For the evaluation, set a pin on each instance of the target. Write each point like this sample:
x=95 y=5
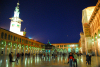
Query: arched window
x=5 y=36
x=14 y=38
x=8 y=37
x=20 y=40
x=2 y=35
x=11 y=37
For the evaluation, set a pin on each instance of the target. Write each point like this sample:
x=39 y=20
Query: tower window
x=13 y=24
x=17 y=25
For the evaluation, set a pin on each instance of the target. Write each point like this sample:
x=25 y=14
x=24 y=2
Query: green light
x=13 y=24
x=17 y=25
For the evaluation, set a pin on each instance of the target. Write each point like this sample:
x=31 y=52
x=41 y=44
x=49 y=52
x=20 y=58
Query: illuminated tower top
x=16 y=14
x=15 y=25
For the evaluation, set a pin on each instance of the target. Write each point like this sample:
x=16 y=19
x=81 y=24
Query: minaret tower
x=15 y=25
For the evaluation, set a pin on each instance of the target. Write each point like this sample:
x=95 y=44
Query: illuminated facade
x=67 y=47
x=91 y=29
x=15 y=40
x=11 y=42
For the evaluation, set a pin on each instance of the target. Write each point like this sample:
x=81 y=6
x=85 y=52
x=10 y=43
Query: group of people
x=72 y=59
x=17 y=57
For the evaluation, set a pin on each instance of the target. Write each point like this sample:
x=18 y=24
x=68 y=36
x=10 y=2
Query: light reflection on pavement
x=60 y=61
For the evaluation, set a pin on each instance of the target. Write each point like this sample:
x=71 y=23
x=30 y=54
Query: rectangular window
x=8 y=37
x=20 y=40
x=61 y=45
x=16 y=38
x=11 y=37
x=58 y=46
x=65 y=45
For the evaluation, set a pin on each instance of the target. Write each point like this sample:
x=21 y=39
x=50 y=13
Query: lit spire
x=16 y=14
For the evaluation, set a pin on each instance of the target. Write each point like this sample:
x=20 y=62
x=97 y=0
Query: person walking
x=70 y=59
x=17 y=57
x=75 y=59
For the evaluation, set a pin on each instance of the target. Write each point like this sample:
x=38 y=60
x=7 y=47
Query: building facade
x=90 y=38
x=67 y=47
x=12 y=42
x=15 y=41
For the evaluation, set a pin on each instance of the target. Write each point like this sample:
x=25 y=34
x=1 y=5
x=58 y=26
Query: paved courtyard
x=60 y=61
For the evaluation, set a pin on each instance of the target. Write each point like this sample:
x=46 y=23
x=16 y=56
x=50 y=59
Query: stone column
x=88 y=44
x=98 y=46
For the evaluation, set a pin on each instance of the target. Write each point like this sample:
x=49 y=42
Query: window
x=65 y=45
x=5 y=36
x=20 y=40
x=14 y=38
x=2 y=35
x=58 y=46
x=61 y=45
x=11 y=37
x=8 y=37
x=29 y=42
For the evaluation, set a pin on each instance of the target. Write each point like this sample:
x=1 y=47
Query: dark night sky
x=47 y=19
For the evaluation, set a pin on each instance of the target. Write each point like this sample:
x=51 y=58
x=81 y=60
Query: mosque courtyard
x=36 y=61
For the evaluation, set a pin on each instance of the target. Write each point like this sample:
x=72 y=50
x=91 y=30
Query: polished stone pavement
x=60 y=61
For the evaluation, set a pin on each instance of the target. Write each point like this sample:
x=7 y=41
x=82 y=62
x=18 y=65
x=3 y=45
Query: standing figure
x=90 y=59
x=75 y=58
x=17 y=57
x=10 y=57
x=87 y=59
x=70 y=59
x=22 y=56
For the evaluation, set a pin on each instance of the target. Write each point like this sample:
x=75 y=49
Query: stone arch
x=2 y=43
x=22 y=46
x=26 y=47
x=69 y=50
x=61 y=50
x=58 y=50
x=14 y=46
x=65 y=50
x=19 y=46
x=9 y=45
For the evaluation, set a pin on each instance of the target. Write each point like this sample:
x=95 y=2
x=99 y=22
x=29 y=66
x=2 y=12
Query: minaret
x=15 y=25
